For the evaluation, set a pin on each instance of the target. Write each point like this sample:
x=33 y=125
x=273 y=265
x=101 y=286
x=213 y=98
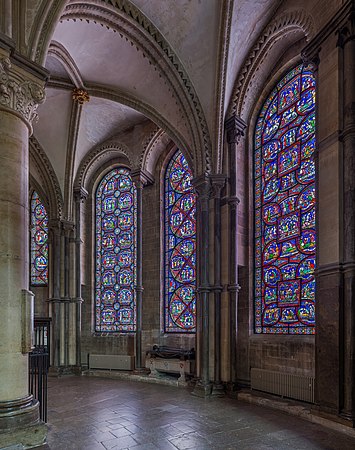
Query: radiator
x=112 y=362
x=285 y=384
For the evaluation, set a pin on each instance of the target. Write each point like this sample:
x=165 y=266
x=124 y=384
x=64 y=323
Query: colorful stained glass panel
x=285 y=235
x=115 y=298
x=180 y=248
x=39 y=242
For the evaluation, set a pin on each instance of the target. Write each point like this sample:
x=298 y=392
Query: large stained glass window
x=39 y=242
x=285 y=239
x=180 y=247
x=116 y=210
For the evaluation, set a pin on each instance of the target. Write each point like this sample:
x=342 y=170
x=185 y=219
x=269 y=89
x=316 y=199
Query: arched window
x=285 y=236
x=179 y=247
x=39 y=242
x=116 y=210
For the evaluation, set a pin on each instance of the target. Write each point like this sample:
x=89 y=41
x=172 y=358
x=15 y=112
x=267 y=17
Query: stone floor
x=87 y=413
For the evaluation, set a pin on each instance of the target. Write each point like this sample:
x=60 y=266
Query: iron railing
x=39 y=364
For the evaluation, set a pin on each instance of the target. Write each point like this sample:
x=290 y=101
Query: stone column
x=140 y=179
x=346 y=43
x=68 y=229
x=202 y=186
x=235 y=130
x=80 y=195
x=218 y=182
x=55 y=233
x=21 y=90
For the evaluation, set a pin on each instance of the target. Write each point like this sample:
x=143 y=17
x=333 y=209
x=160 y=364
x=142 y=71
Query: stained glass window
x=180 y=247
x=39 y=242
x=116 y=212
x=285 y=236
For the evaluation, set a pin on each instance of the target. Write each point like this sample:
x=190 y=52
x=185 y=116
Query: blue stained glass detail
x=285 y=205
x=39 y=242
x=180 y=247
x=116 y=217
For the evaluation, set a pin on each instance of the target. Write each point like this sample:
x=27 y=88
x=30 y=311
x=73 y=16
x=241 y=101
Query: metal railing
x=39 y=364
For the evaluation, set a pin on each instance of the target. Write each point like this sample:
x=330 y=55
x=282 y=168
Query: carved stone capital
x=235 y=127
x=141 y=178
x=217 y=183
x=19 y=92
x=346 y=31
x=80 y=194
x=233 y=202
x=202 y=185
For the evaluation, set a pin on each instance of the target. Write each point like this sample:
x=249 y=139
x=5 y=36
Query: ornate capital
x=217 y=183
x=80 y=194
x=202 y=185
x=233 y=202
x=346 y=31
x=18 y=92
x=235 y=127
x=80 y=95
x=141 y=178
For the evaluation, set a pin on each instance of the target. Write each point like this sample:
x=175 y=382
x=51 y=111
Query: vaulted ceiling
x=165 y=62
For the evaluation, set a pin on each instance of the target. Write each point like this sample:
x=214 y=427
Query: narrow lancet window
x=179 y=247
x=285 y=207
x=116 y=210
x=39 y=242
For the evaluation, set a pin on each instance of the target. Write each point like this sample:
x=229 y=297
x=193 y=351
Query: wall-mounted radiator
x=111 y=362
x=285 y=384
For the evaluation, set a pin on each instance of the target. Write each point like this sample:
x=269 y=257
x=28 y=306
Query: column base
x=232 y=389
x=60 y=371
x=218 y=390
x=20 y=424
x=141 y=371
x=202 y=389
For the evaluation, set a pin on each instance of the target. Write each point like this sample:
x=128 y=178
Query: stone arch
x=98 y=157
x=276 y=38
x=125 y=18
x=48 y=179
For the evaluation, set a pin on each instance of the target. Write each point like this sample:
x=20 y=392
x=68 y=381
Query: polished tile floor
x=87 y=413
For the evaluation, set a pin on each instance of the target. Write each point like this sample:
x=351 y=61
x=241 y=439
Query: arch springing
x=39 y=242
x=285 y=207
x=179 y=247
x=115 y=233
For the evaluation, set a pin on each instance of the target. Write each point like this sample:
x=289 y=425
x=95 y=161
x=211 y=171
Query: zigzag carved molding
x=284 y=24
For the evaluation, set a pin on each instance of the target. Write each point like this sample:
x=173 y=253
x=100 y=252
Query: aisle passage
x=96 y=414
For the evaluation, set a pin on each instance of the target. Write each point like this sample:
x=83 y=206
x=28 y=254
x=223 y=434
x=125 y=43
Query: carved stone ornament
x=19 y=94
x=80 y=96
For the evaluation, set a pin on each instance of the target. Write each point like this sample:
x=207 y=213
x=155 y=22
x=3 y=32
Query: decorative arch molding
x=49 y=181
x=125 y=18
x=35 y=186
x=97 y=157
x=298 y=23
x=60 y=53
x=154 y=146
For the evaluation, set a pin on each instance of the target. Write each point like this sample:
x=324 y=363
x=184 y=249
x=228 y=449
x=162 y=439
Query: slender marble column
x=55 y=233
x=202 y=186
x=68 y=229
x=140 y=179
x=235 y=130
x=21 y=90
x=346 y=43
x=218 y=182
x=80 y=195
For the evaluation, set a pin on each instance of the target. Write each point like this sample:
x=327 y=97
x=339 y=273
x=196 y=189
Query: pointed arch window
x=285 y=207
x=39 y=242
x=115 y=232
x=179 y=247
